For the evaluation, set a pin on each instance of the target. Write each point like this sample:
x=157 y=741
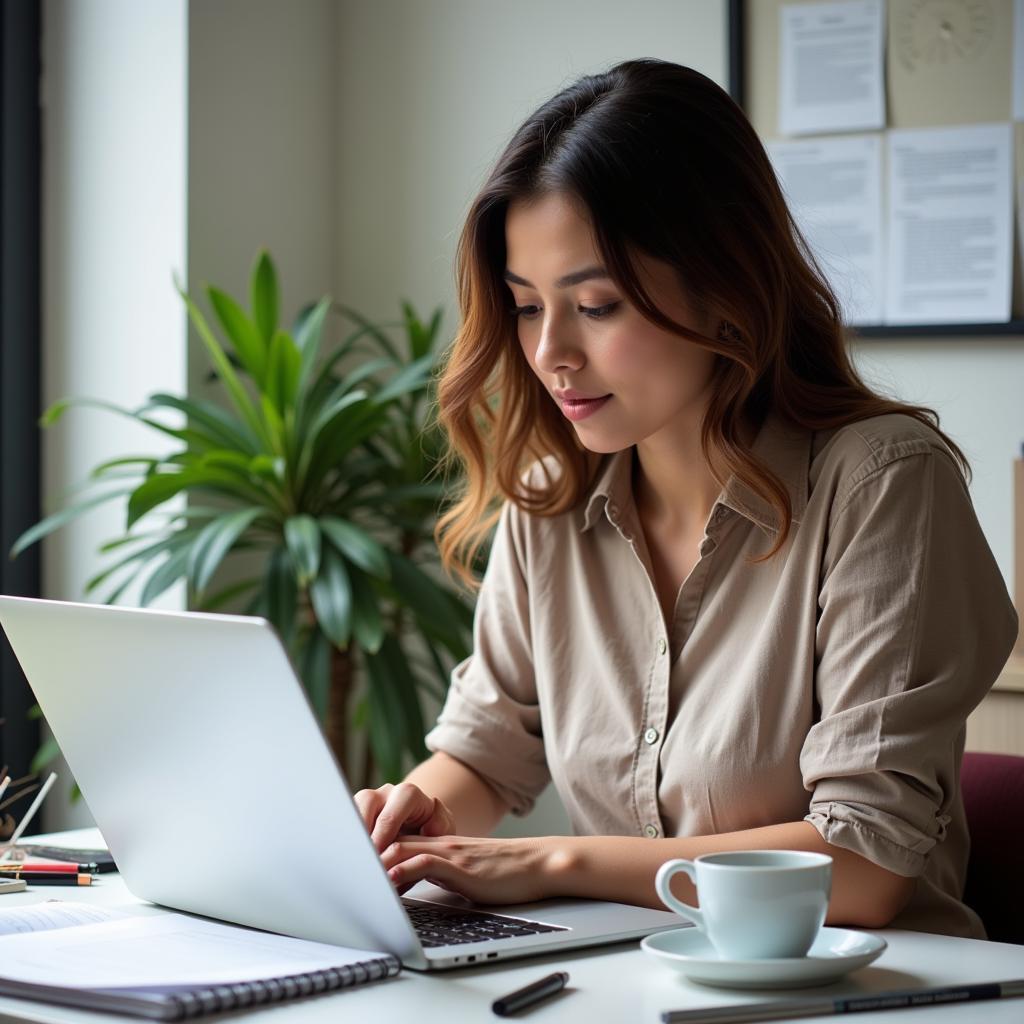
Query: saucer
x=836 y=952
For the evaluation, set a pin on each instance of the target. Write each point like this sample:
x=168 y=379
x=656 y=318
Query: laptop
x=202 y=762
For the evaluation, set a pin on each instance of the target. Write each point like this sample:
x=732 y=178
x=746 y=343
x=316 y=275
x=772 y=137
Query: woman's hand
x=391 y=811
x=484 y=870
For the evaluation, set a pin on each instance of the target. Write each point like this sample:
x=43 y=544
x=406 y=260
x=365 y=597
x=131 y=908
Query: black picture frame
x=736 y=49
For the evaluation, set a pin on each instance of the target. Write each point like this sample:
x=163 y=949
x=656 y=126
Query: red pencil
x=31 y=865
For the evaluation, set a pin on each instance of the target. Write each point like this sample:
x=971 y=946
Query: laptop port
x=491 y=956
x=471 y=959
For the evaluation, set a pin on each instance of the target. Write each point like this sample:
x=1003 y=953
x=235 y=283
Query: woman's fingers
x=390 y=811
x=437 y=870
x=406 y=809
x=370 y=802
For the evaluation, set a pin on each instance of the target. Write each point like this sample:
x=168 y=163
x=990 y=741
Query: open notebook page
x=164 y=950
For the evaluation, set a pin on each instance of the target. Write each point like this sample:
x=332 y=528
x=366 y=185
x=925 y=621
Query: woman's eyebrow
x=577 y=276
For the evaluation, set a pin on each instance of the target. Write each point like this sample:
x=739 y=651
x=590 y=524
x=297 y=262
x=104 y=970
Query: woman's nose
x=558 y=349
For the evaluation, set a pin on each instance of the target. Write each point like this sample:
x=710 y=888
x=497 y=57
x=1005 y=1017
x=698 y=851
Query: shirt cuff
x=880 y=838
x=517 y=780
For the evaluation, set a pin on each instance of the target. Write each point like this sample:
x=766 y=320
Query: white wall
x=114 y=117
x=976 y=385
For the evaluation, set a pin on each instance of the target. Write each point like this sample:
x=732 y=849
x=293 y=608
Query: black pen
x=49 y=877
x=534 y=993
x=785 y=1010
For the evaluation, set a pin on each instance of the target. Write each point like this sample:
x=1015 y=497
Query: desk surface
x=607 y=984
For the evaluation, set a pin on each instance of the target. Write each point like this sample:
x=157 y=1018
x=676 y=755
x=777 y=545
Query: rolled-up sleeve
x=491 y=718
x=914 y=626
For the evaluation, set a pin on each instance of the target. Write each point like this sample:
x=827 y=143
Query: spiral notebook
x=165 y=965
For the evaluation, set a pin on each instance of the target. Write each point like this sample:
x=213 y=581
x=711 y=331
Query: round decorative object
x=937 y=32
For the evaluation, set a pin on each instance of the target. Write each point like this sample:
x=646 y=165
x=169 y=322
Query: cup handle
x=661 y=883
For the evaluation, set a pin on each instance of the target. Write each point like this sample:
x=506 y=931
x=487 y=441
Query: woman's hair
x=667 y=164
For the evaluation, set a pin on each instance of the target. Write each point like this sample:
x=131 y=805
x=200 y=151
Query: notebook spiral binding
x=217 y=998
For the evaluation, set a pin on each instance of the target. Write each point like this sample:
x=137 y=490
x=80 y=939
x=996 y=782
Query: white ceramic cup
x=754 y=904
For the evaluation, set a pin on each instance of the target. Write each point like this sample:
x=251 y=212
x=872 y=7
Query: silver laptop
x=204 y=766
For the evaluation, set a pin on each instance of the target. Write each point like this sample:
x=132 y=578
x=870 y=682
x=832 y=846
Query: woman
x=735 y=600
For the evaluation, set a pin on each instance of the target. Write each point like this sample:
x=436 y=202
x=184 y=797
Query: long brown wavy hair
x=664 y=162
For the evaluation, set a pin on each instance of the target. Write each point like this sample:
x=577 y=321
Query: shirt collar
x=783 y=447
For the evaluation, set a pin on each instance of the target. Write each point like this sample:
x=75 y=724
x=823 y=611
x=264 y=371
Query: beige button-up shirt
x=830 y=683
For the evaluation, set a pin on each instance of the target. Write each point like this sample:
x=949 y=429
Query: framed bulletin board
x=945 y=77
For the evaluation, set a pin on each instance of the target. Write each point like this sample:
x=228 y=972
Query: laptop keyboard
x=446 y=926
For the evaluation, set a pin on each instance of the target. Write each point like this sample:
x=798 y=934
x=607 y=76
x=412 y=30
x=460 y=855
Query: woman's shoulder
x=844 y=456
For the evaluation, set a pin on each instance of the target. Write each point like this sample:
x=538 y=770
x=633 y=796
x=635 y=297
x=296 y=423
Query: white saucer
x=836 y=952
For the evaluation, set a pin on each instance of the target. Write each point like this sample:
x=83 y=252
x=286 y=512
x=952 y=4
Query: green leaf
x=227 y=595
x=128 y=460
x=429 y=602
x=214 y=541
x=308 y=338
x=421 y=338
x=396 y=719
x=302 y=535
x=63 y=517
x=412 y=377
x=222 y=428
x=144 y=554
x=386 y=725
x=264 y=296
x=275 y=424
x=331 y=594
x=243 y=334
x=316 y=672
x=374 y=330
x=404 y=683
x=47 y=753
x=344 y=411
x=356 y=545
x=283 y=371
x=282 y=594
x=222 y=365
x=367 y=622
x=55 y=411
x=166 y=575
x=154 y=491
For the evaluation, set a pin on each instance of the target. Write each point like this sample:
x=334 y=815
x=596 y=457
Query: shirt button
x=651 y=736
x=651 y=831
x=662 y=646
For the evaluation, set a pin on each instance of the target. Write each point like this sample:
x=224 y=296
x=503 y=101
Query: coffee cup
x=754 y=904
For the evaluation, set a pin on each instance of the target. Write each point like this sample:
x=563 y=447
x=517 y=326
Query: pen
x=533 y=993
x=49 y=877
x=788 y=1009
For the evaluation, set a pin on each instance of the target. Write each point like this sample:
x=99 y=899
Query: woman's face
x=616 y=376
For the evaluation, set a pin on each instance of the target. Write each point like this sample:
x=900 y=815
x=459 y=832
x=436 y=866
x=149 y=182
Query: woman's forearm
x=477 y=808
x=622 y=869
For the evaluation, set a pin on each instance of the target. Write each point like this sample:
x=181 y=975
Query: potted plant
x=328 y=478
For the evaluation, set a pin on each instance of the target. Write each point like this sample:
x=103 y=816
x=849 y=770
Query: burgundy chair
x=993 y=792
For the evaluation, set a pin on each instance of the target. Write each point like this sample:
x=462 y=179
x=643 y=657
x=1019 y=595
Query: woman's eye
x=522 y=311
x=598 y=312
x=594 y=312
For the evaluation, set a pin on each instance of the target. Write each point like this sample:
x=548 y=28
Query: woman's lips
x=581 y=408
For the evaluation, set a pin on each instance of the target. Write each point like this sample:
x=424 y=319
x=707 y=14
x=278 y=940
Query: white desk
x=607 y=984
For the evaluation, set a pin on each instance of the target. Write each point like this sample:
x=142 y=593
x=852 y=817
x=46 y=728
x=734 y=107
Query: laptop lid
x=202 y=762
x=200 y=758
